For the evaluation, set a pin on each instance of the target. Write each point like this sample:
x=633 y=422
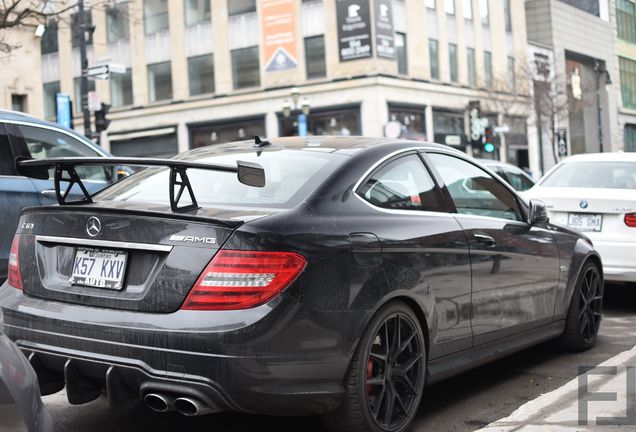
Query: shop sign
x=278 y=24
x=354 y=29
x=384 y=31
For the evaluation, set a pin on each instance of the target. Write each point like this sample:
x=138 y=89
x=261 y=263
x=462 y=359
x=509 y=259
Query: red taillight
x=630 y=220
x=15 y=279
x=243 y=279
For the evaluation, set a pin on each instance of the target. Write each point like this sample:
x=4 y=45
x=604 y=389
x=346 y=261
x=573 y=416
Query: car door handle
x=486 y=239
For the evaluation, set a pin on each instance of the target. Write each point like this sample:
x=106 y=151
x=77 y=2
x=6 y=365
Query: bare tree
x=16 y=14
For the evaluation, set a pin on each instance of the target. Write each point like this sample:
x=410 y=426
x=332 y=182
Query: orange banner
x=278 y=24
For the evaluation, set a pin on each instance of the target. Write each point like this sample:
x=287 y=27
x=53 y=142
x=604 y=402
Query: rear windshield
x=614 y=175
x=290 y=175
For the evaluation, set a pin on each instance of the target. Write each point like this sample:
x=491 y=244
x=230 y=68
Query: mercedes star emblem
x=583 y=204
x=93 y=226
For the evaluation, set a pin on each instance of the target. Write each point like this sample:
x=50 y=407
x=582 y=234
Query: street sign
x=504 y=129
x=98 y=72
x=562 y=142
x=453 y=140
x=104 y=71
x=94 y=104
x=63 y=109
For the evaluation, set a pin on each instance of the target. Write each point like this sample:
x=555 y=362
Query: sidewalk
x=563 y=409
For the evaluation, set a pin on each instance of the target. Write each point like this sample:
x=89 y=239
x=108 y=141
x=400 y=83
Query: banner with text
x=278 y=24
x=354 y=29
x=384 y=32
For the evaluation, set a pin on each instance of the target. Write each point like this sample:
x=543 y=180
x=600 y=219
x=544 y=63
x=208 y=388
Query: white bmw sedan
x=596 y=194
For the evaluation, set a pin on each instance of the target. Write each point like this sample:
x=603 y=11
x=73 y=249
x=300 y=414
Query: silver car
x=21 y=408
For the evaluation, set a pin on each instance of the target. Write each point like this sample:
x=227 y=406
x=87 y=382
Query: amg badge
x=193 y=239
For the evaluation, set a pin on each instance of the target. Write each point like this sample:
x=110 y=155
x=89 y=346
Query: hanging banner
x=384 y=32
x=354 y=29
x=278 y=24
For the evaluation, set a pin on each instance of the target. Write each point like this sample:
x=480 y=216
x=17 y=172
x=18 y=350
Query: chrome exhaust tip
x=159 y=402
x=191 y=407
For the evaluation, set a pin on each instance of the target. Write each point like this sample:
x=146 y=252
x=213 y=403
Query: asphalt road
x=464 y=403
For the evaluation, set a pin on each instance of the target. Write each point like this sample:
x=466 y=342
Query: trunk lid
x=610 y=204
x=160 y=254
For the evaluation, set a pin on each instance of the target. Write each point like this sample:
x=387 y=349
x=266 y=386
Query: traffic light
x=489 y=140
x=101 y=122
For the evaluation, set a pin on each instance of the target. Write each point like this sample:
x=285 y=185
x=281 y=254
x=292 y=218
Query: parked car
x=322 y=275
x=515 y=176
x=596 y=194
x=27 y=136
x=21 y=408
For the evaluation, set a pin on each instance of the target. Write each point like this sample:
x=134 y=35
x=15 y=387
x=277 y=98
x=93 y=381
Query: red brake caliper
x=369 y=375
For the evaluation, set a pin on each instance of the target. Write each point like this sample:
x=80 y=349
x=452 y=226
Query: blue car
x=23 y=135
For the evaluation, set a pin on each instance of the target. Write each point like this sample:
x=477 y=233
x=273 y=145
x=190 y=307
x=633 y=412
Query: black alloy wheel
x=586 y=310
x=385 y=382
x=590 y=304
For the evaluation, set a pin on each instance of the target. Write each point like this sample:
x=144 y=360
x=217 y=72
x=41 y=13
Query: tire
x=380 y=372
x=585 y=312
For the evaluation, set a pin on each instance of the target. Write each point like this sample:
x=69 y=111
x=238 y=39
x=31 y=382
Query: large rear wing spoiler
x=248 y=173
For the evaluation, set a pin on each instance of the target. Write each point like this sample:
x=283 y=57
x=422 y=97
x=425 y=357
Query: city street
x=465 y=403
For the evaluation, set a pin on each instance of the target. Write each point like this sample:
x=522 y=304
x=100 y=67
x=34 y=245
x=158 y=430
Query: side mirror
x=538 y=214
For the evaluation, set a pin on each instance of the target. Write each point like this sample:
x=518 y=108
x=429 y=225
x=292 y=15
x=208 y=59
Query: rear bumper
x=619 y=259
x=282 y=363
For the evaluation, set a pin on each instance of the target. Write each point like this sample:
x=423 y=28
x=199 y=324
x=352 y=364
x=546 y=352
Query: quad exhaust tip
x=191 y=407
x=159 y=402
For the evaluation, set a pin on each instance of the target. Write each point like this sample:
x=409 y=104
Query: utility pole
x=84 y=66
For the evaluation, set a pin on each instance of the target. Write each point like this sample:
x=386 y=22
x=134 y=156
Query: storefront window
x=226 y=131
x=345 y=121
x=517 y=141
x=160 y=146
x=412 y=120
x=448 y=127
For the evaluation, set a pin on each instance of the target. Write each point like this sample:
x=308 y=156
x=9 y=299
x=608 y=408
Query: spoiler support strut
x=248 y=173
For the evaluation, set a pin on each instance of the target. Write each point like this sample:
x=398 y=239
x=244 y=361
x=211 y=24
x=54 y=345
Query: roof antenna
x=259 y=143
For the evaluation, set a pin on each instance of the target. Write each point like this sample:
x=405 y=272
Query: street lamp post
x=298 y=109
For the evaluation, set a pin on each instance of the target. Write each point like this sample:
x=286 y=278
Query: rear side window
x=402 y=184
x=46 y=143
x=290 y=176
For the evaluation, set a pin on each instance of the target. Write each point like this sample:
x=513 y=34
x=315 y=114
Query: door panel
x=515 y=266
x=424 y=249
x=514 y=277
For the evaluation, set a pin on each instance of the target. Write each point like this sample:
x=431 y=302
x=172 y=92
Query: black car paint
x=288 y=356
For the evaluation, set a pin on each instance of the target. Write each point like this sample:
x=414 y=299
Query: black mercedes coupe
x=323 y=275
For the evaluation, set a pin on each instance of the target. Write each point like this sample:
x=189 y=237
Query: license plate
x=99 y=268
x=585 y=221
